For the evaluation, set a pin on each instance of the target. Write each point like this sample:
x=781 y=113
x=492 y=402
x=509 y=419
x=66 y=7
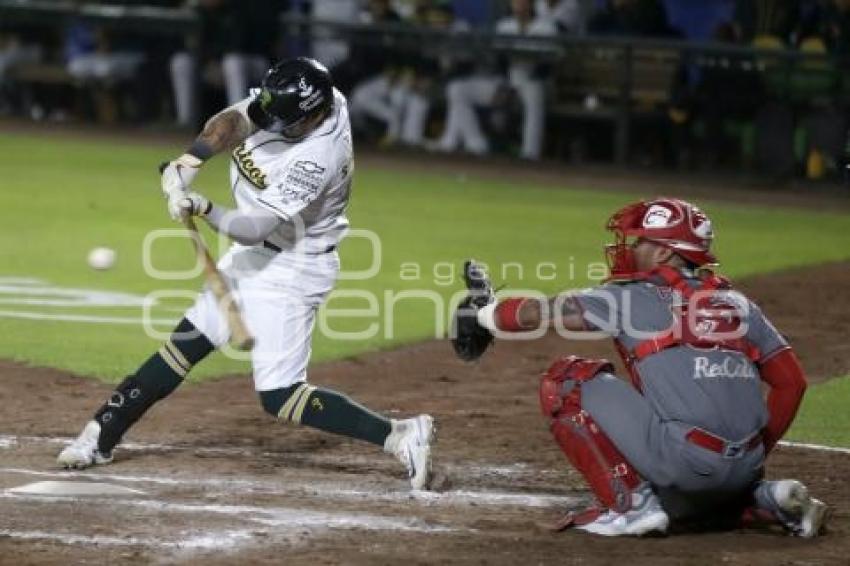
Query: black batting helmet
x=292 y=92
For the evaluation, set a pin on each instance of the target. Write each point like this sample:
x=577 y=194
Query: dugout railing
x=611 y=80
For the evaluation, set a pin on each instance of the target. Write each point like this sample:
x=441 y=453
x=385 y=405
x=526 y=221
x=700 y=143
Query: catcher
x=687 y=439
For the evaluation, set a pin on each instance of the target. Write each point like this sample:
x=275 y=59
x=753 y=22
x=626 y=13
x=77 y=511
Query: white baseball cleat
x=645 y=517
x=410 y=442
x=803 y=515
x=83 y=452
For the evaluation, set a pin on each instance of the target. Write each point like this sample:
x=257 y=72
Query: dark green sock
x=331 y=411
x=155 y=379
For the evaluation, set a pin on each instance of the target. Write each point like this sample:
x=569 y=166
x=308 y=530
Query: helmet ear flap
x=293 y=91
x=263 y=119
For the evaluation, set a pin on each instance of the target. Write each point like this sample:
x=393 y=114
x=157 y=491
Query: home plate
x=74 y=488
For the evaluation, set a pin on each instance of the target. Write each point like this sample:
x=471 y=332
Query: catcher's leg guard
x=611 y=478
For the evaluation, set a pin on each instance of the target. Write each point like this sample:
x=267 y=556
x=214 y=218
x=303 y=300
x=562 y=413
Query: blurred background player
x=371 y=97
x=400 y=98
x=231 y=48
x=146 y=61
x=464 y=95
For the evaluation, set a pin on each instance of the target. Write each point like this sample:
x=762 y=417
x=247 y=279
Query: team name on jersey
x=730 y=368
x=246 y=166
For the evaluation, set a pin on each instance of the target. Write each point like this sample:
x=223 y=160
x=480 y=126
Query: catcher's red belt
x=722 y=446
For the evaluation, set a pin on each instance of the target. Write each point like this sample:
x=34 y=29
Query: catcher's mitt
x=469 y=339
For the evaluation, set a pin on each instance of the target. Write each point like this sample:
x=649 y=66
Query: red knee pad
x=567 y=368
x=589 y=450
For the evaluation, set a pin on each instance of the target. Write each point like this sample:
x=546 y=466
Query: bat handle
x=241 y=340
x=240 y=337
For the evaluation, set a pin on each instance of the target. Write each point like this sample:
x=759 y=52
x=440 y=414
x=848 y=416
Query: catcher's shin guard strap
x=155 y=379
x=326 y=410
x=567 y=369
x=611 y=478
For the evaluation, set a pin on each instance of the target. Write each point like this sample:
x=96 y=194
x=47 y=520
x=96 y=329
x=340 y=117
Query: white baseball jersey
x=522 y=67
x=306 y=183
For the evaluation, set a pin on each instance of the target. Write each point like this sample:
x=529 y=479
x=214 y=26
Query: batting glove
x=175 y=208
x=178 y=175
x=193 y=204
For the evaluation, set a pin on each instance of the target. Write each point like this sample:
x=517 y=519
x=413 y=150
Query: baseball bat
x=240 y=336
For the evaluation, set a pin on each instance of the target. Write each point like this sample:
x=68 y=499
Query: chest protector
x=706 y=316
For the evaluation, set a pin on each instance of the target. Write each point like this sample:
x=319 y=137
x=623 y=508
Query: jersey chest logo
x=245 y=164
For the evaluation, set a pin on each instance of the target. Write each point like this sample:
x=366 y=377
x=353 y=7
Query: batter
x=291 y=171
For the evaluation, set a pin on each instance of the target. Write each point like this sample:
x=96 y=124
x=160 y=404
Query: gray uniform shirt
x=714 y=389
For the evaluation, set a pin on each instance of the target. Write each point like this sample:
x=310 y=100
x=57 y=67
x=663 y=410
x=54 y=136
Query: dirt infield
x=225 y=484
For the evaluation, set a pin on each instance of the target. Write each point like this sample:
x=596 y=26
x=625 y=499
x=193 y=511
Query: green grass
x=823 y=418
x=59 y=198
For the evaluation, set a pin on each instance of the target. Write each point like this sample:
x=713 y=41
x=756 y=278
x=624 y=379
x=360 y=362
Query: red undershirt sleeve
x=787 y=381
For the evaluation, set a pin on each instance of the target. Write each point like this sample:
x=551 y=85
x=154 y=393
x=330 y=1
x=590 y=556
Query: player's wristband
x=507 y=314
x=189 y=160
x=200 y=150
x=502 y=316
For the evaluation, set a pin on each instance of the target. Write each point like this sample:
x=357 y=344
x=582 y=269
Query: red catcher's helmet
x=673 y=223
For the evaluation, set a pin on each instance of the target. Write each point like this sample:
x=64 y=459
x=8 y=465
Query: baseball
x=101 y=258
